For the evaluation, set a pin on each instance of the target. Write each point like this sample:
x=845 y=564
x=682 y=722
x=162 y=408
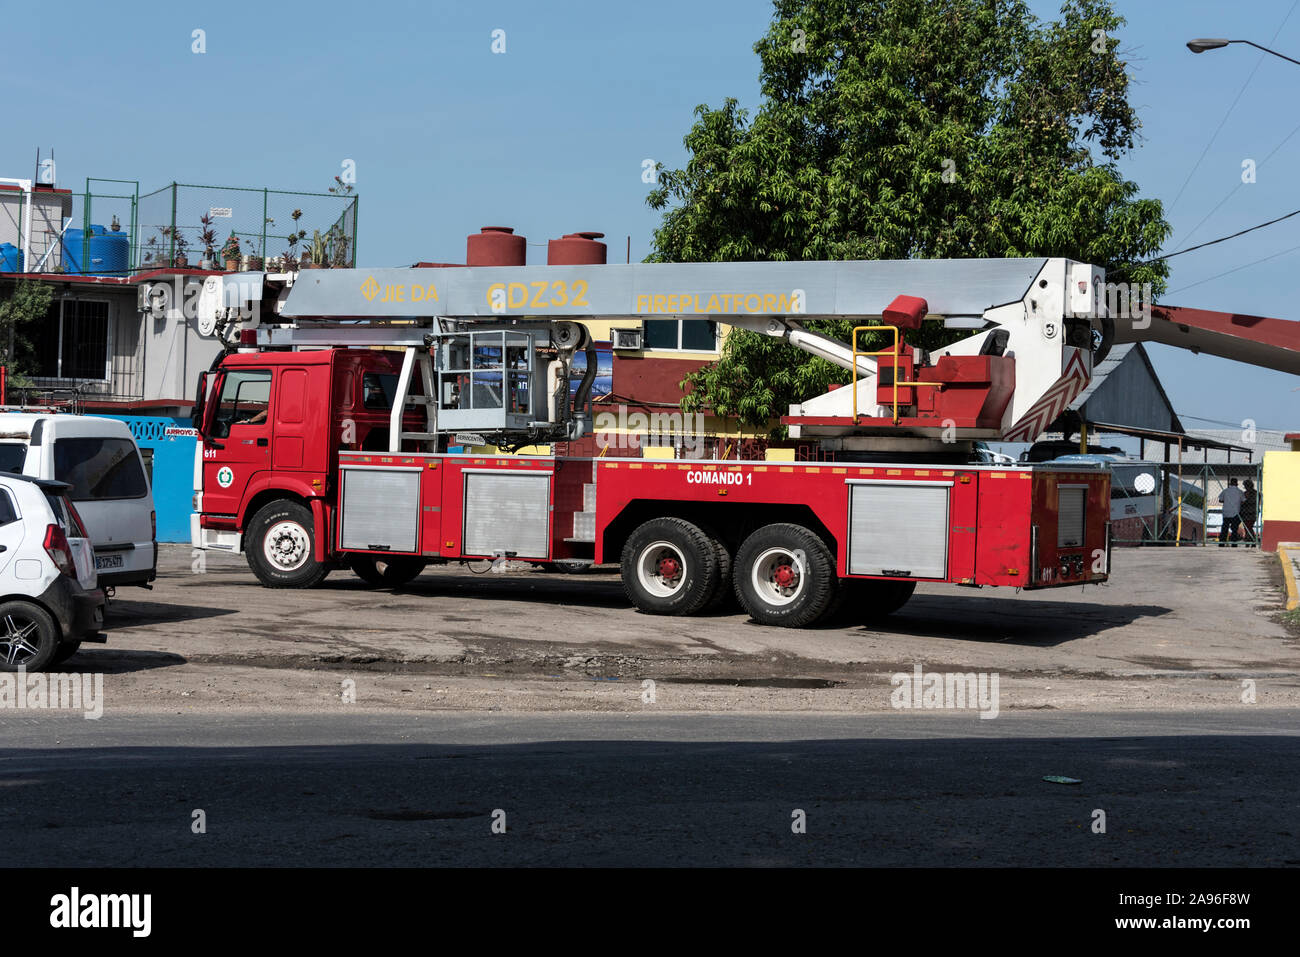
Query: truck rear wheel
x=281 y=546
x=872 y=600
x=386 y=572
x=785 y=575
x=670 y=567
x=862 y=600
x=724 y=596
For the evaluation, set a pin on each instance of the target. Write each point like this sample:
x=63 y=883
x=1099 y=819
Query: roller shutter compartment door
x=898 y=530
x=381 y=507
x=508 y=512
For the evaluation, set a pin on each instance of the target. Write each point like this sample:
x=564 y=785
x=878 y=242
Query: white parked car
x=49 y=600
x=100 y=460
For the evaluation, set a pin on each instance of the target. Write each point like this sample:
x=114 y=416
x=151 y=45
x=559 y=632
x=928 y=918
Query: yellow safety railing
x=881 y=352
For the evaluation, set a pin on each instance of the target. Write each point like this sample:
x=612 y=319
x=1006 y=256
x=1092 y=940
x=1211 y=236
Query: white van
x=99 y=458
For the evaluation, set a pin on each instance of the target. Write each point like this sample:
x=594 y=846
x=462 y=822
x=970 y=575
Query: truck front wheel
x=670 y=567
x=281 y=546
x=785 y=575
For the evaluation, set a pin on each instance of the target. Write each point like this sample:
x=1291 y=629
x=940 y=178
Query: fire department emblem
x=225 y=476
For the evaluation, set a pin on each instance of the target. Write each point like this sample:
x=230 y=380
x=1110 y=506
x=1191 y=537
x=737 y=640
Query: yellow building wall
x=1281 y=483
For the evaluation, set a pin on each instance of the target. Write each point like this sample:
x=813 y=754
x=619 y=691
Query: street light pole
x=1214 y=43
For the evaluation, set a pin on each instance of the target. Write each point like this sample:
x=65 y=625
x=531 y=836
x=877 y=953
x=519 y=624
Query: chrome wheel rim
x=287 y=546
x=779 y=576
x=661 y=569
x=16 y=645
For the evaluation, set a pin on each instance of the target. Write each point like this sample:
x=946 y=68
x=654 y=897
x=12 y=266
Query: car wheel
x=785 y=575
x=29 y=636
x=669 y=567
x=386 y=572
x=281 y=546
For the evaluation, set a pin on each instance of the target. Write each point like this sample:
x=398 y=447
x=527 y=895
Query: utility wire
x=1228 y=112
x=1233 y=192
x=1222 y=239
x=1229 y=272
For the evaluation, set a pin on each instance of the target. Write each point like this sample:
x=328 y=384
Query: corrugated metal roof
x=1125 y=390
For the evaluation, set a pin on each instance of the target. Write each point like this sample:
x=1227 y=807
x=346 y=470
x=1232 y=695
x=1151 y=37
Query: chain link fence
x=110 y=229
x=234 y=227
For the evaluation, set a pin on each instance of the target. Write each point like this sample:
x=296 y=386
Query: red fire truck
x=327 y=432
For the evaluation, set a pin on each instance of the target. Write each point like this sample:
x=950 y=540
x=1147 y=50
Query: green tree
x=896 y=129
x=26 y=302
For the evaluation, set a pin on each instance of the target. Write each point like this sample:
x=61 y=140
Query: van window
x=99 y=468
x=12 y=457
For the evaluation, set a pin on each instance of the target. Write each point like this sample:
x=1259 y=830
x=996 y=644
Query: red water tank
x=496 y=246
x=576 y=249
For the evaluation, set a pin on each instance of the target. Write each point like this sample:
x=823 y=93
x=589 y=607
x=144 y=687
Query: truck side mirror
x=200 y=402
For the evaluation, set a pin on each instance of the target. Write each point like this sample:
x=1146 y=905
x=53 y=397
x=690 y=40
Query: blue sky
x=549 y=137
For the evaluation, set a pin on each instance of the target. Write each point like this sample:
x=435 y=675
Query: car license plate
x=108 y=561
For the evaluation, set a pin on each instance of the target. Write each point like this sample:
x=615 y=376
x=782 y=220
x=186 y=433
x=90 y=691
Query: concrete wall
x=124 y=346
x=49 y=207
x=175 y=353
x=167 y=444
x=152 y=358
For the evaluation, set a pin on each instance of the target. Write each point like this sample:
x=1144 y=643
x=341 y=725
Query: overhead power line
x=1222 y=239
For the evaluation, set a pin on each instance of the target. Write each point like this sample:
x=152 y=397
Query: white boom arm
x=1039 y=311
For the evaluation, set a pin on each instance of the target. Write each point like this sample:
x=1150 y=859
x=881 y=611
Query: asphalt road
x=895 y=789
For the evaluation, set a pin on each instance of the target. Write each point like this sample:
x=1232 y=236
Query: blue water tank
x=11 y=258
x=105 y=253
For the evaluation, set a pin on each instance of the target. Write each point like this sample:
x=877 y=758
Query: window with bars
x=73 y=341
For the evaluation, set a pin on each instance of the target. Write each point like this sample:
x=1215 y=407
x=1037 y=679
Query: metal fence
x=1153 y=504
x=183 y=223
x=179 y=225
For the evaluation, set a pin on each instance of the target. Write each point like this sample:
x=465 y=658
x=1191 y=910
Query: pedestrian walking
x=1249 y=510
x=1231 y=498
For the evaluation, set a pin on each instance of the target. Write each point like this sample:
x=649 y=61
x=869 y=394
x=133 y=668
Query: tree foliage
x=896 y=129
x=25 y=303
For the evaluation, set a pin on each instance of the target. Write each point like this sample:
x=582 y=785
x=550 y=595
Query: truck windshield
x=245 y=399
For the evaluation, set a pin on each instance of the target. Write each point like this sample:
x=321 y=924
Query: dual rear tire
x=671 y=567
x=783 y=574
